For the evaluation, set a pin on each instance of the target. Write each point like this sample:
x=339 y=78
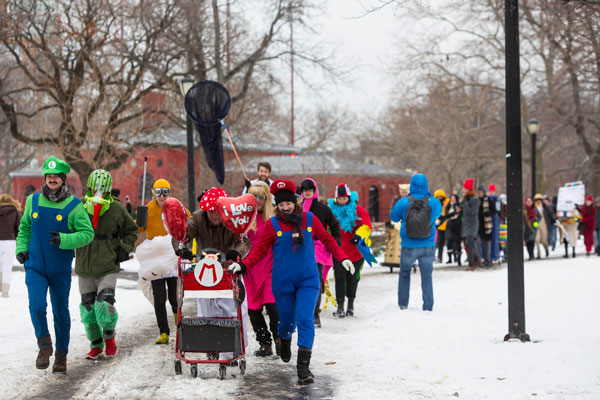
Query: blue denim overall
x=49 y=267
x=296 y=284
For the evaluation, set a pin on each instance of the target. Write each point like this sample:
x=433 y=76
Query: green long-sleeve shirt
x=81 y=229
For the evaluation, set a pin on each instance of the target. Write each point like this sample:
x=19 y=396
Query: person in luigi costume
x=54 y=223
x=97 y=264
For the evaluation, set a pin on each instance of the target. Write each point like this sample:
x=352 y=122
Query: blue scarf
x=345 y=214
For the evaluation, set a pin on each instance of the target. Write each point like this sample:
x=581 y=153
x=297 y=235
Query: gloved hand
x=22 y=257
x=237 y=268
x=348 y=265
x=185 y=253
x=388 y=224
x=55 y=239
x=355 y=239
x=232 y=255
x=122 y=255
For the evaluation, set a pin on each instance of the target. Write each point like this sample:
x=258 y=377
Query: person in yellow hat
x=54 y=223
x=165 y=286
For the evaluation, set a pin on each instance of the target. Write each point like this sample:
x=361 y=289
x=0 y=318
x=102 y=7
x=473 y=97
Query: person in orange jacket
x=440 y=223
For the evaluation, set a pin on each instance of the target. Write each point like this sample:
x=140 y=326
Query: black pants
x=454 y=248
x=530 y=244
x=345 y=282
x=439 y=243
x=318 y=305
x=160 y=297
x=263 y=336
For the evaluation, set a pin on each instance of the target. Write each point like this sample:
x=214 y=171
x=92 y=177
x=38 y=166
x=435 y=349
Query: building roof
x=26 y=172
x=320 y=164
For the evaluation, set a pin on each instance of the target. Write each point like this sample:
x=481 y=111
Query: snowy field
x=456 y=351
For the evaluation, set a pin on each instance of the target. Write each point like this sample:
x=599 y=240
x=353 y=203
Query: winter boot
x=458 y=257
x=162 y=339
x=277 y=346
x=94 y=353
x=43 y=359
x=350 y=308
x=286 y=350
x=304 y=374
x=60 y=362
x=317 y=320
x=111 y=347
x=449 y=258
x=566 y=250
x=340 y=310
x=573 y=252
x=264 y=351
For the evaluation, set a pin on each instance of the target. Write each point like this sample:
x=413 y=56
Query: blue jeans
x=408 y=256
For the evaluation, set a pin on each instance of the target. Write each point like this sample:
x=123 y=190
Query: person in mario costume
x=291 y=233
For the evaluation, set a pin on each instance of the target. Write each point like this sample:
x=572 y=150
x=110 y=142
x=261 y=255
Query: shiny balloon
x=174 y=218
x=237 y=213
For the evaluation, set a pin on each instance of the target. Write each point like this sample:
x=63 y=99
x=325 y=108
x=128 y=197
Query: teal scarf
x=345 y=214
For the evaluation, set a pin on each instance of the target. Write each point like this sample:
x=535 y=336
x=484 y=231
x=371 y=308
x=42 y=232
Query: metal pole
x=190 y=165
x=514 y=177
x=533 y=187
x=292 y=72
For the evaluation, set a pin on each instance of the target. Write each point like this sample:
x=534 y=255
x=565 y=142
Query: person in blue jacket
x=54 y=223
x=419 y=242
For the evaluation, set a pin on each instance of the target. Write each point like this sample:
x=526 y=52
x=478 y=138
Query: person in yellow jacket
x=166 y=286
x=440 y=223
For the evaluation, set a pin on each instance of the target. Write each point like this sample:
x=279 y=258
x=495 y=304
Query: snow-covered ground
x=456 y=351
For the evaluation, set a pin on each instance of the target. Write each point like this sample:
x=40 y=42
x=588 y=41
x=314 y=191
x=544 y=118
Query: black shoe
x=340 y=310
x=304 y=374
x=317 y=321
x=277 y=346
x=403 y=307
x=350 y=309
x=264 y=351
x=286 y=350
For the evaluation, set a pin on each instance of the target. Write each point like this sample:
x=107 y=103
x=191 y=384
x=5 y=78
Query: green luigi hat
x=54 y=165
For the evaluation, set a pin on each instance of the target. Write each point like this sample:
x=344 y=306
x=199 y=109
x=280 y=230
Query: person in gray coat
x=470 y=224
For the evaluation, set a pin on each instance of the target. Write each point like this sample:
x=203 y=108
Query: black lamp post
x=186 y=84
x=533 y=126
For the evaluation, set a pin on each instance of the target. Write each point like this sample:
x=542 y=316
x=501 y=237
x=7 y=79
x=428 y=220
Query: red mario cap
x=283 y=190
x=210 y=198
x=469 y=184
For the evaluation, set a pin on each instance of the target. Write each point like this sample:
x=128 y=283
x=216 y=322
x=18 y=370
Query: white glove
x=235 y=268
x=346 y=264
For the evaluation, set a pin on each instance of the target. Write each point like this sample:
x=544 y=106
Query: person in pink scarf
x=310 y=202
x=258 y=278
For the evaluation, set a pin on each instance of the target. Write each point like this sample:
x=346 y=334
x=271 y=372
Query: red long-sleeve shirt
x=269 y=237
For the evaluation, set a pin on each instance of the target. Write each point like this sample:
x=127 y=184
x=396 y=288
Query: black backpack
x=418 y=218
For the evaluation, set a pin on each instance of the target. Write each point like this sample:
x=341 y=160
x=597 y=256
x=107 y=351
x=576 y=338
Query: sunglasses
x=260 y=196
x=162 y=191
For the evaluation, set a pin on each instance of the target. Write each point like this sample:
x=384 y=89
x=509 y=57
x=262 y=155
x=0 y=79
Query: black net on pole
x=207 y=103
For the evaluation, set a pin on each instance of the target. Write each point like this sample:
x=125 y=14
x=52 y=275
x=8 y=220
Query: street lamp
x=533 y=126
x=186 y=84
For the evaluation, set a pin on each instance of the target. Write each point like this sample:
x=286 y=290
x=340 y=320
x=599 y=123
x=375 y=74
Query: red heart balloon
x=237 y=213
x=174 y=217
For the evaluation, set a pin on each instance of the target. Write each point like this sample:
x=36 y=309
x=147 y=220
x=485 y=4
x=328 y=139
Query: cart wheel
x=242 y=367
x=222 y=371
x=194 y=370
x=177 y=367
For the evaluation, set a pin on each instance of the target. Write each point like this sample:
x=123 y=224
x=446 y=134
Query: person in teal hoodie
x=54 y=223
x=418 y=212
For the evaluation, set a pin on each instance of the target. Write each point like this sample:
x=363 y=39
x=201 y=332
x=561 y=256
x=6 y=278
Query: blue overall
x=296 y=284
x=49 y=267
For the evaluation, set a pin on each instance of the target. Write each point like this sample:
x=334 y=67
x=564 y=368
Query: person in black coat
x=487 y=208
x=453 y=229
x=310 y=197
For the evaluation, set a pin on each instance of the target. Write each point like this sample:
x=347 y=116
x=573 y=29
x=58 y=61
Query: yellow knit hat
x=161 y=183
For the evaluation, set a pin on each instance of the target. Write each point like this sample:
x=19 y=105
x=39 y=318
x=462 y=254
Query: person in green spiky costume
x=97 y=264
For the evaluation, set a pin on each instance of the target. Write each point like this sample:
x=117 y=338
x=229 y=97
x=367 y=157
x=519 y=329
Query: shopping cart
x=209 y=278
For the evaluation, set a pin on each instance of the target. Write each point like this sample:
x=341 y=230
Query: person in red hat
x=355 y=225
x=206 y=227
x=588 y=213
x=291 y=233
x=470 y=224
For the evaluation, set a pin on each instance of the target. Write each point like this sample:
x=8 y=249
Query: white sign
x=568 y=196
x=208 y=272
